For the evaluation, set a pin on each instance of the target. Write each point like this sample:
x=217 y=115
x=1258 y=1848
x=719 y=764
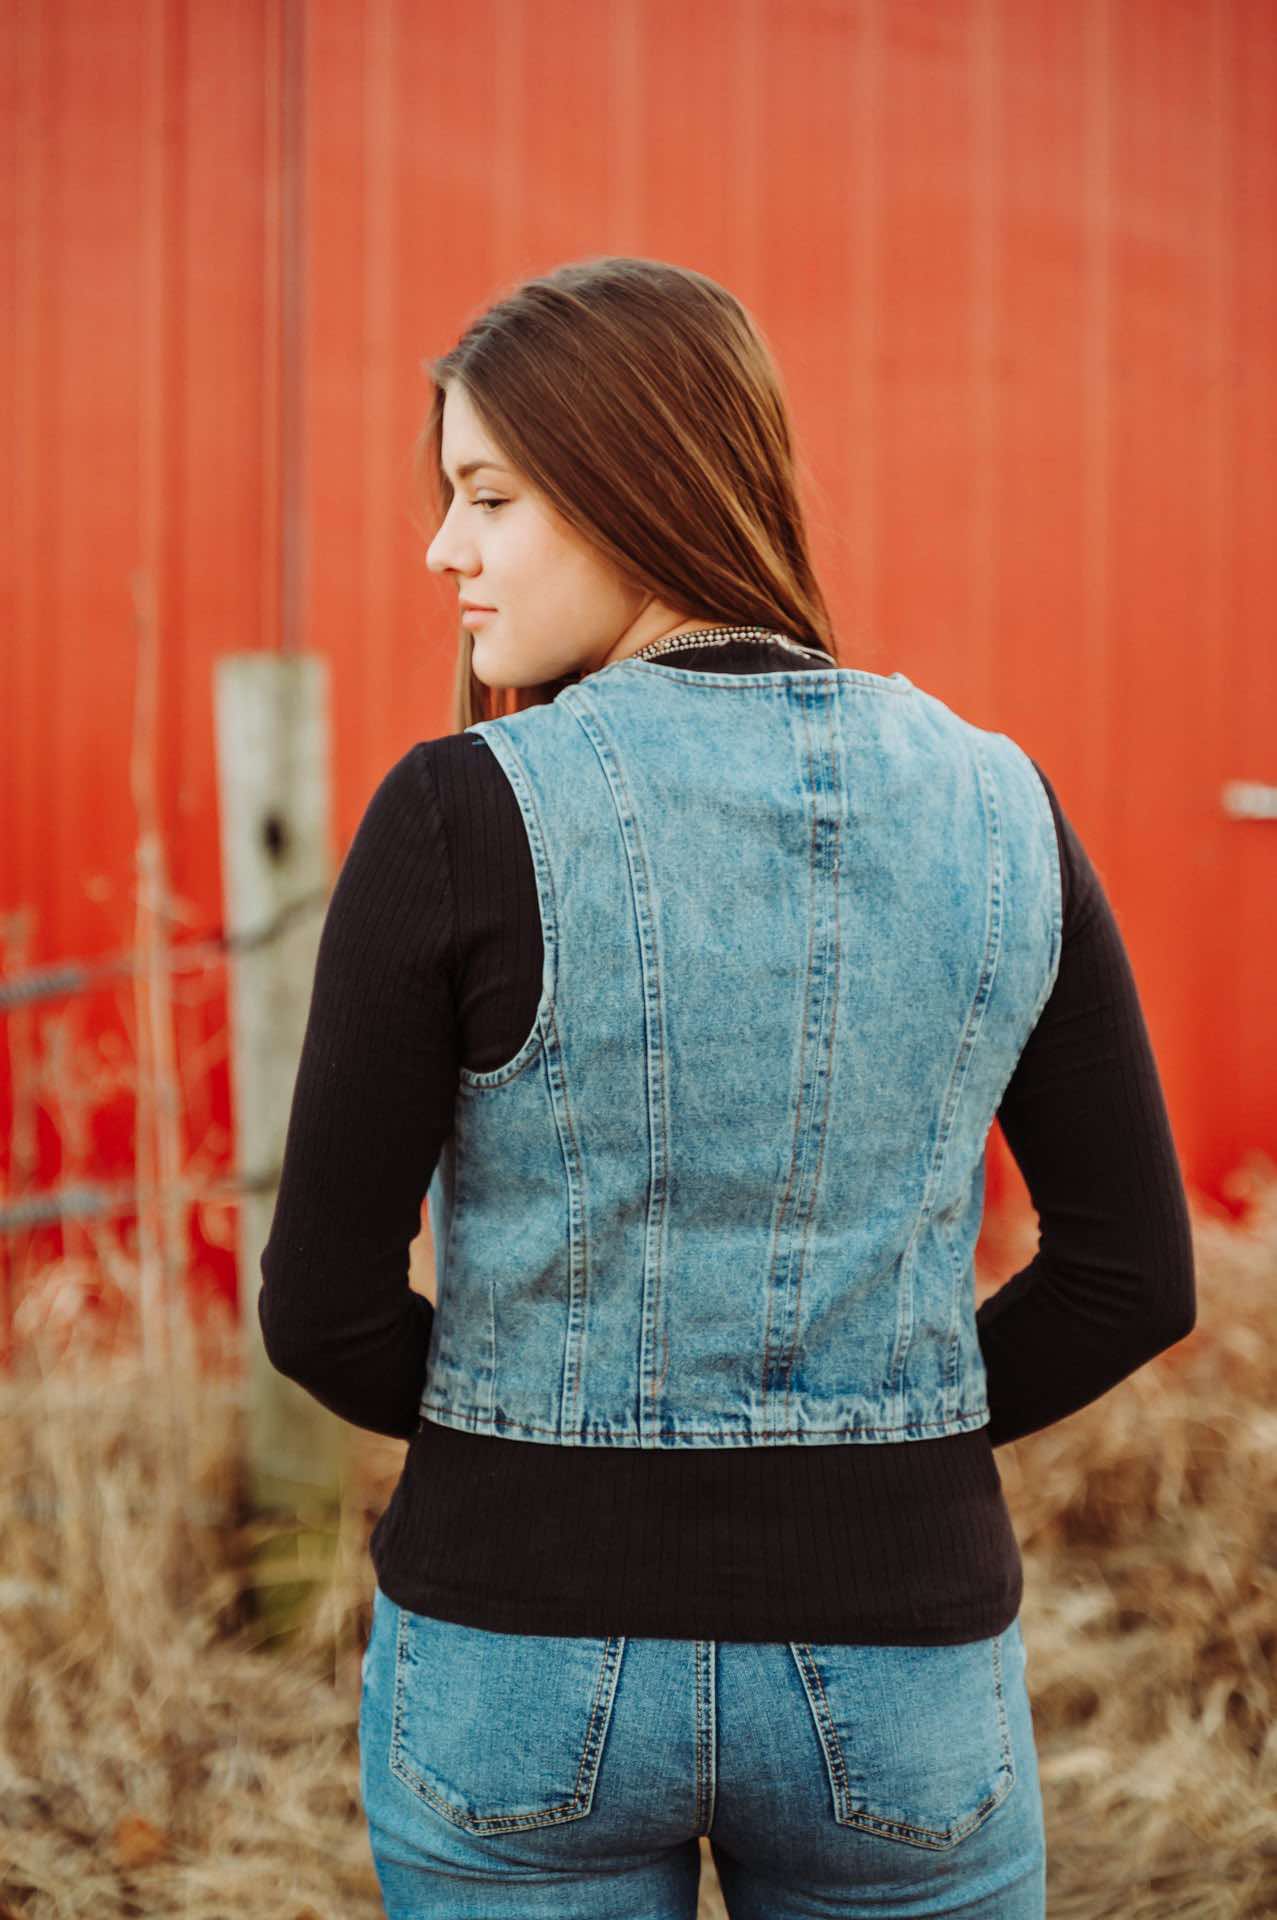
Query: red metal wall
x=1017 y=264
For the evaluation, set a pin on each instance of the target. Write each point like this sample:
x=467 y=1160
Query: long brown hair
x=643 y=401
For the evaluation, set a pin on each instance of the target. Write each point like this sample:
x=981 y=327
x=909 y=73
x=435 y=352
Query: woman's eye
x=489 y=502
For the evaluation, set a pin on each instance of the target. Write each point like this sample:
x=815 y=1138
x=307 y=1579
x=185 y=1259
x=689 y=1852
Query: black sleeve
x=371 y=1107
x=1112 y=1283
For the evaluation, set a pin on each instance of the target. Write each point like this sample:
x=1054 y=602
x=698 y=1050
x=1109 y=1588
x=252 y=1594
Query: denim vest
x=798 y=926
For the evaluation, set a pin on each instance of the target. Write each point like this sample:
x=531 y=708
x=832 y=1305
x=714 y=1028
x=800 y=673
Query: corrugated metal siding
x=1017 y=264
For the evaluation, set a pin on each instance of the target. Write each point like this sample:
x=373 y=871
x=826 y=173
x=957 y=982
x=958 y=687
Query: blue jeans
x=527 y=1775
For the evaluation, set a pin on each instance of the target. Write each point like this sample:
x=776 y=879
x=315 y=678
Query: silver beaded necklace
x=723 y=637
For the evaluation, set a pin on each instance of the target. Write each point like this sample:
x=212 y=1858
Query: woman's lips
x=472 y=615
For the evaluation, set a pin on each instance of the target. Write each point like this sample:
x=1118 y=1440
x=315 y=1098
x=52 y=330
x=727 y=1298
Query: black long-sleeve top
x=431 y=956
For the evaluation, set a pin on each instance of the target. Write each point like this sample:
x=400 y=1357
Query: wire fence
x=82 y=1200
x=63 y=979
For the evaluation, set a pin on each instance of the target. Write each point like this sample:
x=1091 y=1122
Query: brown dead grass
x=159 y=1756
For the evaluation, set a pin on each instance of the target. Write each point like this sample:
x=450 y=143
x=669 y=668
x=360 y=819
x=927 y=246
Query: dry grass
x=156 y=1757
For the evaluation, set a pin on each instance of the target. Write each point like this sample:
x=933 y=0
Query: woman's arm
x=1112 y=1283
x=372 y=1105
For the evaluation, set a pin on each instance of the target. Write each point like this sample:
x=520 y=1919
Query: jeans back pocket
x=500 y=1731
x=916 y=1739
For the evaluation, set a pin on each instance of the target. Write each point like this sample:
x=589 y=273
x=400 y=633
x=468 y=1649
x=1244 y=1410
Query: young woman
x=687 y=983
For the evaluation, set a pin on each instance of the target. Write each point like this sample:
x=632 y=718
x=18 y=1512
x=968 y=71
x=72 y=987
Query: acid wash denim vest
x=798 y=926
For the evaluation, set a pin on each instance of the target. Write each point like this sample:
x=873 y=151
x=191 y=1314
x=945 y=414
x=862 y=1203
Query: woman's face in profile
x=558 y=607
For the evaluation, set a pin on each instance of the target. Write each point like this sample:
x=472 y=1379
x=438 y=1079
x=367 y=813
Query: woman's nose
x=443 y=557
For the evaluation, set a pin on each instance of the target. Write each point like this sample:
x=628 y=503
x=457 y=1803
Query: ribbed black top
x=431 y=957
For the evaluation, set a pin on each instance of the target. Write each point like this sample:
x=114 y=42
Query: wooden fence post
x=273 y=783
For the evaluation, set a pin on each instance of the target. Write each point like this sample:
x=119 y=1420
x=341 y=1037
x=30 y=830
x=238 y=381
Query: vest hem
x=497 y=1426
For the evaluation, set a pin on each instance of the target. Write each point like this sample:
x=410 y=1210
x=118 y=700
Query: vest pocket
x=498 y=1732
x=915 y=1739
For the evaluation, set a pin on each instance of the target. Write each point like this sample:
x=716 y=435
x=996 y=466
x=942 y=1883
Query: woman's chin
x=495 y=668
x=486 y=664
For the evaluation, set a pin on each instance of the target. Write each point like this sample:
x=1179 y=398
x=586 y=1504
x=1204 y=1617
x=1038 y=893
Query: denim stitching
x=587 y=1770
x=474 y=1420
x=507 y=755
x=854 y=679
x=578 y=1225
x=832 y=932
x=706 y=1781
x=936 y=1837
x=972 y=1026
x=781 y=1232
x=590 y=720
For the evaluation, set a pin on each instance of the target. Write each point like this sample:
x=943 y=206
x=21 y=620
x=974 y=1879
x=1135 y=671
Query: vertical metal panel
x=1244 y=393
x=1015 y=261
x=142 y=322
